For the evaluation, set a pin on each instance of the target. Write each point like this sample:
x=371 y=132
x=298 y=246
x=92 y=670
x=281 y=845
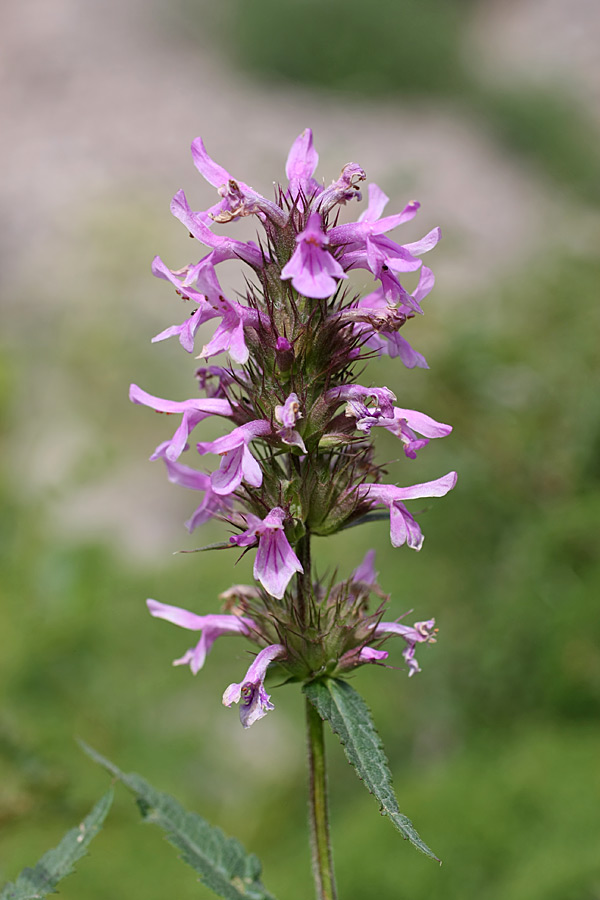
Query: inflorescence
x=298 y=460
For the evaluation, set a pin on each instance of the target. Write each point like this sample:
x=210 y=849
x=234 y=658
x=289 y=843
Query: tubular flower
x=212 y=627
x=194 y=411
x=238 y=199
x=300 y=166
x=287 y=416
x=297 y=457
x=312 y=268
x=250 y=693
x=212 y=504
x=237 y=463
x=404 y=528
x=365 y=572
x=419 y=633
x=403 y=424
x=341 y=191
x=275 y=561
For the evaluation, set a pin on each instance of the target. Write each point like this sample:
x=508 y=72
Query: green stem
x=304 y=579
x=322 y=862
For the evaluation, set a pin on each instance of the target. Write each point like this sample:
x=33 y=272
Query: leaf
x=58 y=863
x=220 y=545
x=222 y=863
x=350 y=719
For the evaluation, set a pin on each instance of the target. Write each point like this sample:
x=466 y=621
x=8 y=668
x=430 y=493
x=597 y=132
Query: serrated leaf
x=222 y=863
x=349 y=717
x=56 y=864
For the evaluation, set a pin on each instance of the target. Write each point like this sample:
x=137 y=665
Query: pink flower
x=356 y=393
x=211 y=626
x=403 y=423
x=404 y=529
x=237 y=464
x=420 y=632
x=365 y=572
x=275 y=561
x=226 y=248
x=300 y=166
x=194 y=411
x=313 y=269
x=367 y=234
x=369 y=654
x=255 y=702
x=212 y=503
x=238 y=198
x=341 y=191
x=287 y=416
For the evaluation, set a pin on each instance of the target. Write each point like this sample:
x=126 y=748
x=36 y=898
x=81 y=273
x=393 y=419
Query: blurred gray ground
x=100 y=101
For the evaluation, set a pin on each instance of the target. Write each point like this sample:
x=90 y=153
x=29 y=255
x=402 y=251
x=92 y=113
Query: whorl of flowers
x=298 y=458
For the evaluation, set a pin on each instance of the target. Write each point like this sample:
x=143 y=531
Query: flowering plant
x=297 y=461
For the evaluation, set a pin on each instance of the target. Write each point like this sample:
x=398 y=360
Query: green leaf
x=350 y=719
x=58 y=863
x=222 y=863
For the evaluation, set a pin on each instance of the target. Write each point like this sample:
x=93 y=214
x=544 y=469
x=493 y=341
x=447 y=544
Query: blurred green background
x=489 y=113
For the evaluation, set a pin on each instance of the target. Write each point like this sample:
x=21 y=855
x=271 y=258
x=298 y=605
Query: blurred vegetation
x=495 y=745
x=416 y=51
x=382 y=49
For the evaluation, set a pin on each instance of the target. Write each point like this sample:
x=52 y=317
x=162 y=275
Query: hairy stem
x=322 y=862
x=304 y=579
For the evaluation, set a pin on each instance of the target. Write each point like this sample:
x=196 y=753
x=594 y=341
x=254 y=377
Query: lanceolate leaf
x=221 y=862
x=347 y=713
x=58 y=863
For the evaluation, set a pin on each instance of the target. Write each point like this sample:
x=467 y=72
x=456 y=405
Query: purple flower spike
x=404 y=529
x=275 y=561
x=419 y=633
x=299 y=459
x=313 y=269
x=237 y=464
x=212 y=627
x=255 y=702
